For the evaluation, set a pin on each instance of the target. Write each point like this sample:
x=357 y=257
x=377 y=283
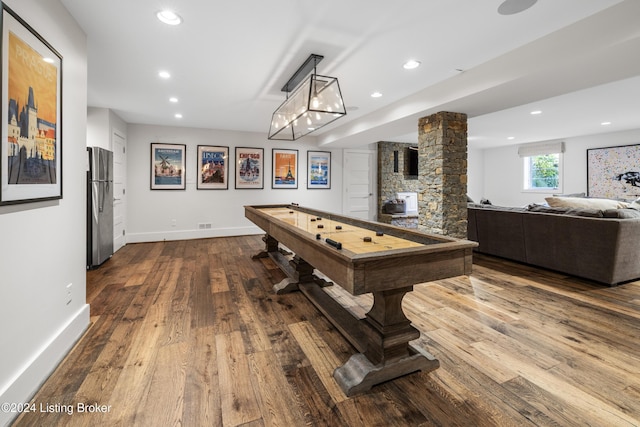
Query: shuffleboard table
x=361 y=257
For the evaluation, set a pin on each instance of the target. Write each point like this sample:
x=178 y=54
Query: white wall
x=101 y=123
x=42 y=247
x=98 y=128
x=150 y=212
x=503 y=168
x=475 y=174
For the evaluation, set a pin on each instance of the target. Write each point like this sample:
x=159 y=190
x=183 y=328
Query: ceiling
x=577 y=61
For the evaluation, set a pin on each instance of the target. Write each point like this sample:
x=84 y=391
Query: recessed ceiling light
x=605 y=123
x=411 y=64
x=178 y=116
x=536 y=112
x=173 y=99
x=164 y=74
x=376 y=95
x=511 y=7
x=510 y=138
x=169 y=17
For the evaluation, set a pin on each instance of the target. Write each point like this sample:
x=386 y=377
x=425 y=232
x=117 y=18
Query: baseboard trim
x=28 y=381
x=159 y=236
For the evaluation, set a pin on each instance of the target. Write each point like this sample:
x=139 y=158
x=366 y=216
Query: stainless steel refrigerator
x=99 y=206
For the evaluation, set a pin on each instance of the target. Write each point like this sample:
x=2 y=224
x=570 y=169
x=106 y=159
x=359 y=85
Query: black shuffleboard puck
x=333 y=243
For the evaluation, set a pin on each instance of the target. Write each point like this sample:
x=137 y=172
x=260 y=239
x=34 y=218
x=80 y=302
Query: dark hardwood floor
x=189 y=333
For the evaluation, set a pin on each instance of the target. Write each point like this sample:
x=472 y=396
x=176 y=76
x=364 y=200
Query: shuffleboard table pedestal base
x=359 y=374
x=382 y=337
x=297 y=269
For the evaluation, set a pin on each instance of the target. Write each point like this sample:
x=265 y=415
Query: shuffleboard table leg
x=388 y=354
x=298 y=271
x=270 y=245
x=359 y=374
x=286 y=286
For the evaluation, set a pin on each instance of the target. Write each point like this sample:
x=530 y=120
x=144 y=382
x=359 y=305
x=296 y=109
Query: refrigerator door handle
x=94 y=199
x=103 y=190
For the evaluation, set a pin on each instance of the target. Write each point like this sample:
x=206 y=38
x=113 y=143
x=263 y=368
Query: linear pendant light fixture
x=313 y=101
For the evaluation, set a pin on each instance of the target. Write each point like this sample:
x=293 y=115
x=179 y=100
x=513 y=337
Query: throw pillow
x=579 y=202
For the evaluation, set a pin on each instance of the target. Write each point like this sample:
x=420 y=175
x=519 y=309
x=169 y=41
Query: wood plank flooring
x=190 y=333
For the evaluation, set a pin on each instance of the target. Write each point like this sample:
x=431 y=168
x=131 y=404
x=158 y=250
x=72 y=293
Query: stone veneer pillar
x=442 y=201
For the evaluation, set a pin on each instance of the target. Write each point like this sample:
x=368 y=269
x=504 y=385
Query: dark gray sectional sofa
x=599 y=245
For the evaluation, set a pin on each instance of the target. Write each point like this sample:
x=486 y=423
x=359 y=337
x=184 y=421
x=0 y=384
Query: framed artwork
x=249 y=168
x=318 y=169
x=168 y=166
x=285 y=169
x=31 y=145
x=614 y=172
x=213 y=168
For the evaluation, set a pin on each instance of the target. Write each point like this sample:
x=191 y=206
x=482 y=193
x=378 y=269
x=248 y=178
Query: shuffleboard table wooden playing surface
x=361 y=257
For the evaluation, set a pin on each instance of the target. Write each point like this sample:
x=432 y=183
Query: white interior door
x=119 y=190
x=358 y=184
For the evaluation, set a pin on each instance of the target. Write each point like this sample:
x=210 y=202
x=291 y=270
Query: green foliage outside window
x=544 y=171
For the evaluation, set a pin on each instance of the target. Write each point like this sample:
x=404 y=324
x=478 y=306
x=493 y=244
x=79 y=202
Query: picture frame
x=614 y=172
x=30 y=165
x=249 y=168
x=284 y=168
x=213 y=167
x=168 y=166
x=318 y=169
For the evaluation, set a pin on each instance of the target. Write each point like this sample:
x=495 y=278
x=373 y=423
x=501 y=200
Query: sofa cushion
x=590 y=203
x=621 y=213
x=592 y=213
x=496 y=207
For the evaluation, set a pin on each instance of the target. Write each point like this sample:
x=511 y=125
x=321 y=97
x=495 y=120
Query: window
x=542 y=166
x=542 y=172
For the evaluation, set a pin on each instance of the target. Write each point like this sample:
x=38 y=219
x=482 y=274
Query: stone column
x=442 y=201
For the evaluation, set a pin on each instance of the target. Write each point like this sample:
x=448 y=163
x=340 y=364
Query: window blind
x=537 y=149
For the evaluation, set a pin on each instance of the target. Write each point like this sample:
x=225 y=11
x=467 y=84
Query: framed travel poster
x=31 y=141
x=249 y=168
x=614 y=172
x=318 y=169
x=168 y=166
x=213 y=168
x=285 y=169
